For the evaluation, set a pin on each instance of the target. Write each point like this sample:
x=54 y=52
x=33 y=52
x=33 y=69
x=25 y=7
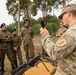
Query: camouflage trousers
x=18 y=54
x=29 y=50
x=10 y=56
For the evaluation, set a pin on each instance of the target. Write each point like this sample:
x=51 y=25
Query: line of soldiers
x=10 y=45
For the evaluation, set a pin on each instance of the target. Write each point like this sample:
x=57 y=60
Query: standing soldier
x=27 y=36
x=5 y=47
x=16 y=43
x=1 y=71
x=63 y=50
x=61 y=30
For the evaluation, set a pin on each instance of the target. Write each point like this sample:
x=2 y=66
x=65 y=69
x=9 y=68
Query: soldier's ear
x=69 y=14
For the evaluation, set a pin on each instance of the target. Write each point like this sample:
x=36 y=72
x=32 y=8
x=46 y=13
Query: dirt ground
x=37 y=49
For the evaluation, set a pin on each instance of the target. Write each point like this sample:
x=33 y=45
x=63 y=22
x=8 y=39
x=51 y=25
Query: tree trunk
x=27 y=14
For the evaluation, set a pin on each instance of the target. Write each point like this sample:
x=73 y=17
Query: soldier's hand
x=44 y=32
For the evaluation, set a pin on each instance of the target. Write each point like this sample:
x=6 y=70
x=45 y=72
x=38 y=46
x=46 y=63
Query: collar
x=72 y=25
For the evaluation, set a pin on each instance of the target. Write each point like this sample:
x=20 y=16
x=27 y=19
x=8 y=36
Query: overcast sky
x=6 y=18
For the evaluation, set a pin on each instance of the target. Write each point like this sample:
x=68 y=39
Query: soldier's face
x=26 y=24
x=65 y=19
x=14 y=33
x=4 y=28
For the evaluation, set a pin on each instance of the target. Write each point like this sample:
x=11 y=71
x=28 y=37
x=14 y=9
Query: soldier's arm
x=8 y=38
x=32 y=32
x=58 y=33
x=3 y=38
x=19 y=42
x=21 y=35
x=62 y=48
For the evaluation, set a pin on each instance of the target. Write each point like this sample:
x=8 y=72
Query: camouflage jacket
x=5 y=39
x=63 y=50
x=16 y=41
x=60 y=31
x=27 y=34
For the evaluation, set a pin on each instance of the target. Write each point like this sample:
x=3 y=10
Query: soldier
x=5 y=47
x=63 y=50
x=61 y=30
x=16 y=43
x=27 y=36
x=1 y=71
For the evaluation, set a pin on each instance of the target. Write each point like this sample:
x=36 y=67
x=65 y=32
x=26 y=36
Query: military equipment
x=20 y=70
x=32 y=62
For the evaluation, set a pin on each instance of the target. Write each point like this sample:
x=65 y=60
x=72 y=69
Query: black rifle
x=25 y=66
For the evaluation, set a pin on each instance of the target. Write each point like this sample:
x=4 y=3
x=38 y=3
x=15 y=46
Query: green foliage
x=52 y=28
x=36 y=28
x=34 y=10
x=52 y=24
x=12 y=7
x=33 y=21
x=10 y=27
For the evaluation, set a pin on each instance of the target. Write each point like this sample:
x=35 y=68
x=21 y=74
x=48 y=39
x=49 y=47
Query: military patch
x=61 y=42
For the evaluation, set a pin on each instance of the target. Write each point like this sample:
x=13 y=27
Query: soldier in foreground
x=63 y=50
x=5 y=47
x=16 y=43
x=27 y=36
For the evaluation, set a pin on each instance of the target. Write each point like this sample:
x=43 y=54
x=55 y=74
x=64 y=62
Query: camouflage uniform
x=27 y=35
x=5 y=47
x=0 y=51
x=16 y=42
x=60 y=31
x=64 y=49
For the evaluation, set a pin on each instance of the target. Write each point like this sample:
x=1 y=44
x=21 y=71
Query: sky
x=8 y=19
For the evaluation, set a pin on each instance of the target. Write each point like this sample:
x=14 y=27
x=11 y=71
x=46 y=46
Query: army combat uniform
x=63 y=51
x=60 y=31
x=27 y=35
x=5 y=48
x=16 y=42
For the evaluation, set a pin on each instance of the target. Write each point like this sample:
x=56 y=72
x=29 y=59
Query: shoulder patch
x=61 y=42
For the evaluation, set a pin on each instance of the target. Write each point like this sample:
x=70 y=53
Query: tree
x=45 y=6
x=12 y=7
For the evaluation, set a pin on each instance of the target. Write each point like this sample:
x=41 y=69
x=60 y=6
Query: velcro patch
x=61 y=42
